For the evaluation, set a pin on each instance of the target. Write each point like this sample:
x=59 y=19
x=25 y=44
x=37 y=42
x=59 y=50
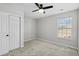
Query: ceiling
x=29 y=7
x=55 y=10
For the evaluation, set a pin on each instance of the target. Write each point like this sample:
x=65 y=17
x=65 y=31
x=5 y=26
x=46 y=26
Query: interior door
x=4 y=31
x=14 y=32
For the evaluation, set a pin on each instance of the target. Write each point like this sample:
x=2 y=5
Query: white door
x=4 y=32
x=14 y=32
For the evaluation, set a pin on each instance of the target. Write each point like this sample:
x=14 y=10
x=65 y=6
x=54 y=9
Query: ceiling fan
x=41 y=8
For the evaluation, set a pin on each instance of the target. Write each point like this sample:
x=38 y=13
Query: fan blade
x=41 y=6
x=37 y=5
x=35 y=10
x=47 y=7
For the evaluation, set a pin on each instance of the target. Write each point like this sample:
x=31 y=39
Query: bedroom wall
x=29 y=29
x=47 y=29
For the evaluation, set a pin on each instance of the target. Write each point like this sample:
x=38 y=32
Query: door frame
x=20 y=28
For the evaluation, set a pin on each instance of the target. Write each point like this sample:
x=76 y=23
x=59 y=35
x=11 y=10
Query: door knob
x=7 y=35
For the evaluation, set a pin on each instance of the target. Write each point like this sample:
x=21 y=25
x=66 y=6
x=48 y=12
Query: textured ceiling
x=57 y=7
x=29 y=7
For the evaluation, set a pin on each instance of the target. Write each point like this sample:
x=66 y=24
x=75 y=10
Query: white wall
x=47 y=29
x=29 y=29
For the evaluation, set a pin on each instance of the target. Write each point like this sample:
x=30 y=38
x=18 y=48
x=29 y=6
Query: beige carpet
x=41 y=48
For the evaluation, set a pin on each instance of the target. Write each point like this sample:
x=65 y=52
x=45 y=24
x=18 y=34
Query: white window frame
x=58 y=19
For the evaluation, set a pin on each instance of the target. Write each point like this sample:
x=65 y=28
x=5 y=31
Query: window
x=64 y=27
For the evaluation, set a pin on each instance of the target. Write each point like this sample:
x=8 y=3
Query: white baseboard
x=29 y=39
x=57 y=43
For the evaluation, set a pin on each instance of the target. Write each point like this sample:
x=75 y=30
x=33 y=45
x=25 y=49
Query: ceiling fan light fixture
x=41 y=11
